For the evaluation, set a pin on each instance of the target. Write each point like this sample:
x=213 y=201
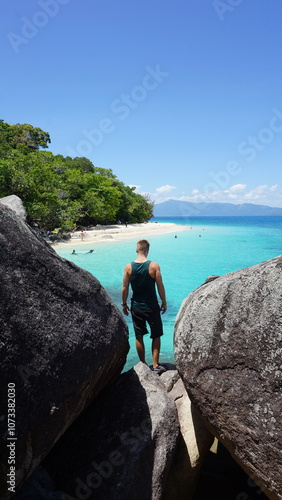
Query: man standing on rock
x=143 y=276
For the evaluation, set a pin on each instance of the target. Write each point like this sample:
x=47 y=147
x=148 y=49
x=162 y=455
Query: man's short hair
x=143 y=245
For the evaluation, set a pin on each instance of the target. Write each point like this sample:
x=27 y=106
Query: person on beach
x=144 y=275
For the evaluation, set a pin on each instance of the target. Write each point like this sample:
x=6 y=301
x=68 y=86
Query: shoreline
x=118 y=232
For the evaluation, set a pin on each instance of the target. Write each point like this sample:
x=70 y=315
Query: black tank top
x=143 y=286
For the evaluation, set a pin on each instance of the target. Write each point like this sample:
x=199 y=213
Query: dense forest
x=60 y=191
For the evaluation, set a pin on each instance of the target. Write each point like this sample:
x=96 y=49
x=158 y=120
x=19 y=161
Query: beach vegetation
x=60 y=191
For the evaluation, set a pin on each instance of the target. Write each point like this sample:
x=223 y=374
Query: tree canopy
x=60 y=191
x=15 y=136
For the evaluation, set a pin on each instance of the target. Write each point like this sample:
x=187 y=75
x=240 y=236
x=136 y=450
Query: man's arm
x=156 y=272
x=125 y=286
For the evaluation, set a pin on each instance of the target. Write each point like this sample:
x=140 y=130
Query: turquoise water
x=214 y=245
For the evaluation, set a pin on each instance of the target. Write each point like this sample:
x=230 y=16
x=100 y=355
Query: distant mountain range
x=175 y=208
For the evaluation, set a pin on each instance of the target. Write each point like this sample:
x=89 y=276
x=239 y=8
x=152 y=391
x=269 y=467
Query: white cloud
x=165 y=189
x=159 y=195
x=237 y=194
x=264 y=195
x=162 y=193
x=237 y=188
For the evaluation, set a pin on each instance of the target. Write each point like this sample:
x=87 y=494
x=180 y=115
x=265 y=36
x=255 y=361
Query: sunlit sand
x=119 y=232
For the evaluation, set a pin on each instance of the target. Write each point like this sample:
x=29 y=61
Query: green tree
x=31 y=137
x=60 y=191
x=23 y=136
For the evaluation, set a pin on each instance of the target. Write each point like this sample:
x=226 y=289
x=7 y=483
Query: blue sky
x=182 y=99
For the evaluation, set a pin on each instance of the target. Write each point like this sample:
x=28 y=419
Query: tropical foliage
x=60 y=191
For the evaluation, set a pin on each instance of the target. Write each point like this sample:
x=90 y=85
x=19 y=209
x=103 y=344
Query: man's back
x=143 y=286
x=144 y=276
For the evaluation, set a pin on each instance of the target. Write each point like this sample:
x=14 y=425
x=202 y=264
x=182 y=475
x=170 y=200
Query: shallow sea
x=213 y=245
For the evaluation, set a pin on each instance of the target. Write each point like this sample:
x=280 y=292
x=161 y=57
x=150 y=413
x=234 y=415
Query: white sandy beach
x=119 y=232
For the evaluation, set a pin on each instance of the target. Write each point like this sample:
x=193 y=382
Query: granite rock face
x=193 y=445
x=122 y=446
x=127 y=445
x=16 y=204
x=228 y=348
x=62 y=340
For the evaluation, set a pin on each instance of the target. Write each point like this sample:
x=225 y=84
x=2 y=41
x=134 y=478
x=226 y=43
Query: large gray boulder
x=122 y=447
x=62 y=340
x=228 y=348
x=16 y=204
